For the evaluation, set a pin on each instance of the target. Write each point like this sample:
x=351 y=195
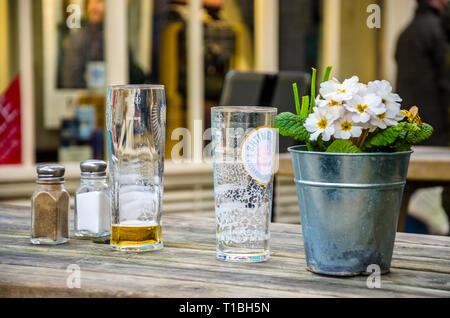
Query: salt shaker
x=50 y=206
x=92 y=207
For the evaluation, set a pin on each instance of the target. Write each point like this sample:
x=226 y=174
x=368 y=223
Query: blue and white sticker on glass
x=257 y=154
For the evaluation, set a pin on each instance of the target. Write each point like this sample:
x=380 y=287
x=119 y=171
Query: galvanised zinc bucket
x=349 y=207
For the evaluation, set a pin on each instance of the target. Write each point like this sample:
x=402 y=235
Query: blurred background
x=58 y=56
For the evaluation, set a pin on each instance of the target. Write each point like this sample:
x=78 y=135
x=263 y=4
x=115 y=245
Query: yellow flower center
x=334 y=103
x=381 y=116
x=322 y=124
x=342 y=90
x=361 y=108
x=383 y=101
x=346 y=126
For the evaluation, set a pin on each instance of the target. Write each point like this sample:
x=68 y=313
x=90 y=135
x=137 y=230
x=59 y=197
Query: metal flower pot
x=349 y=207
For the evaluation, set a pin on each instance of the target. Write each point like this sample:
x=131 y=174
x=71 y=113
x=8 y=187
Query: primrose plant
x=352 y=117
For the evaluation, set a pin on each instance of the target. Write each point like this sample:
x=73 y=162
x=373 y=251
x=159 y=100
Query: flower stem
x=362 y=138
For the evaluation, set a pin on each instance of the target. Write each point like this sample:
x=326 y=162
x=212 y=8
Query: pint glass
x=136 y=133
x=244 y=144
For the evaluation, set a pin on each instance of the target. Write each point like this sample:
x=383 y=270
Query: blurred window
x=80 y=45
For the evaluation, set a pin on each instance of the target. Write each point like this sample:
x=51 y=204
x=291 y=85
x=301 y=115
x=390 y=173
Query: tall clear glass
x=244 y=149
x=136 y=121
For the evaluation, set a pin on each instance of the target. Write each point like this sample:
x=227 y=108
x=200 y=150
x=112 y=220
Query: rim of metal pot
x=294 y=149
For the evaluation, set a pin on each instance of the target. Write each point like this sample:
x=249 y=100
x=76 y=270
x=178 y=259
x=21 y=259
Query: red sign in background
x=10 y=129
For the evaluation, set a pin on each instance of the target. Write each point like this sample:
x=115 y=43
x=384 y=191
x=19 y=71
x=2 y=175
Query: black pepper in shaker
x=50 y=206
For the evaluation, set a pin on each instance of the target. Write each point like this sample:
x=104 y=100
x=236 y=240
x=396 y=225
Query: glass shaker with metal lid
x=50 y=206
x=92 y=207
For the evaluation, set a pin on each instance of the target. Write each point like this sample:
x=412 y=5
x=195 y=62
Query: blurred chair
x=243 y=88
x=265 y=89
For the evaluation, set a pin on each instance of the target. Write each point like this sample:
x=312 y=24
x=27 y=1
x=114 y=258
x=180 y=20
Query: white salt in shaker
x=92 y=206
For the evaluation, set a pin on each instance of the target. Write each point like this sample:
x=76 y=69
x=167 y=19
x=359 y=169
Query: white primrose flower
x=384 y=90
x=344 y=128
x=363 y=89
x=392 y=116
x=345 y=110
x=333 y=90
x=389 y=118
x=317 y=124
x=365 y=107
x=394 y=112
x=331 y=109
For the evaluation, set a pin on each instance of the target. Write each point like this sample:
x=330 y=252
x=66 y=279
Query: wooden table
x=187 y=267
x=429 y=166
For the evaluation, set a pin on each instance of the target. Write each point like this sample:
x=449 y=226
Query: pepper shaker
x=50 y=206
x=92 y=207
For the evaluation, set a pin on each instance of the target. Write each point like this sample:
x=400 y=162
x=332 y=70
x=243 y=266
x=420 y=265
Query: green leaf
x=326 y=75
x=399 y=137
x=313 y=89
x=305 y=107
x=291 y=125
x=402 y=145
x=384 y=138
x=311 y=146
x=417 y=134
x=343 y=146
x=297 y=99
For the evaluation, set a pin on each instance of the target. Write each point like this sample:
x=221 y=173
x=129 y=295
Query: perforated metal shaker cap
x=93 y=168
x=51 y=172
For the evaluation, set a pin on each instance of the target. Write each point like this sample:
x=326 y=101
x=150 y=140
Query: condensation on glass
x=244 y=148
x=136 y=133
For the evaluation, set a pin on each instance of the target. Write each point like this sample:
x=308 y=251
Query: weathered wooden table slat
x=187 y=267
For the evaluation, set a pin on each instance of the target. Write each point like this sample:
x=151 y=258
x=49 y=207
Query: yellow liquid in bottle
x=135 y=235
